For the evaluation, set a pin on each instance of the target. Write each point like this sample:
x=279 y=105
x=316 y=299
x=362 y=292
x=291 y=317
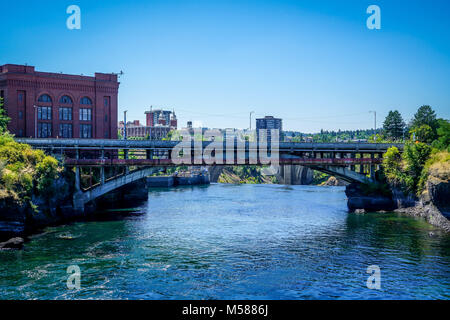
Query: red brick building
x=56 y=105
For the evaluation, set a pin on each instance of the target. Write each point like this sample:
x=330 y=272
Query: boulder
x=357 y=200
x=14 y=243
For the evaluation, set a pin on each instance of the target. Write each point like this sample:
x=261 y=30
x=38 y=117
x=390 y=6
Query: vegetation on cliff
x=427 y=152
x=24 y=172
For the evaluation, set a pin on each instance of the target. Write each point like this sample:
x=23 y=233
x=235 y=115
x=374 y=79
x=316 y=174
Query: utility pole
x=375 y=121
x=125 y=125
x=251 y=119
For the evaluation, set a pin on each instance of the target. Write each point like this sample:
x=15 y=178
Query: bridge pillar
x=102 y=169
x=372 y=167
x=361 y=166
x=125 y=155
x=77 y=173
x=353 y=156
x=287 y=174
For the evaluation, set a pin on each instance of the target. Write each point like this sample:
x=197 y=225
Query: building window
x=65 y=114
x=66 y=100
x=106 y=135
x=85 y=131
x=44 y=130
x=20 y=132
x=20 y=97
x=45 y=98
x=20 y=114
x=86 y=101
x=85 y=114
x=44 y=113
x=106 y=101
x=106 y=118
x=65 y=130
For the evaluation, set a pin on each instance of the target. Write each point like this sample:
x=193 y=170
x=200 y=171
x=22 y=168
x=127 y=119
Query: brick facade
x=66 y=105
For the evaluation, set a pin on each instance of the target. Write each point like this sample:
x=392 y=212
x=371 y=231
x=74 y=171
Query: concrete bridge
x=353 y=162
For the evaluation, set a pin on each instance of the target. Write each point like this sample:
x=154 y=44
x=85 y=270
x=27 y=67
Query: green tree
x=394 y=125
x=443 y=131
x=4 y=119
x=392 y=163
x=424 y=134
x=415 y=156
x=425 y=116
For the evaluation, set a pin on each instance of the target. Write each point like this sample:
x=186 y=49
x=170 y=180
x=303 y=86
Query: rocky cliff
x=433 y=204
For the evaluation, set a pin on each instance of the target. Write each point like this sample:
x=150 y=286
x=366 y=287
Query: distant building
x=267 y=123
x=166 y=121
x=161 y=117
x=57 y=105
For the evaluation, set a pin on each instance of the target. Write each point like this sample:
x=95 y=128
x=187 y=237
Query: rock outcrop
x=334 y=182
x=433 y=205
x=14 y=243
x=358 y=200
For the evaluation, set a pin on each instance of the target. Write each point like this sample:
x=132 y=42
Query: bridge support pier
x=125 y=155
x=77 y=174
x=372 y=167
x=78 y=202
x=102 y=169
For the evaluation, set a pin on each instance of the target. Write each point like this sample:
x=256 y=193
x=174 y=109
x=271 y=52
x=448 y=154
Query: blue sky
x=313 y=63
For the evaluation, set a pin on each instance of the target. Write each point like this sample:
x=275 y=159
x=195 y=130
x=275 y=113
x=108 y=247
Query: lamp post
x=125 y=125
x=375 y=121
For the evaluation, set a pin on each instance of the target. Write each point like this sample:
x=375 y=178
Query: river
x=234 y=242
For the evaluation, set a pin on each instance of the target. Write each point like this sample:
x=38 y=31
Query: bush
x=415 y=156
x=25 y=172
x=392 y=163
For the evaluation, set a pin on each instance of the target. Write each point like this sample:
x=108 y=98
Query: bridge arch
x=81 y=198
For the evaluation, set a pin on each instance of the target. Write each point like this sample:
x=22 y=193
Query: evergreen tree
x=425 y=116
x=394 y=125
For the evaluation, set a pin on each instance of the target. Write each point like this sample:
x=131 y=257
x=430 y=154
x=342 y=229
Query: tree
x=415 y=156
x=425 y=116
x=392 y=163
x=443 y=141
x=4 y=119
x=394 y=125
x=424 y=134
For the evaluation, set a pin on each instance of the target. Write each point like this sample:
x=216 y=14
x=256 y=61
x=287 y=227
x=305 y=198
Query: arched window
x=66 y=99
x=86 y=100
x=45 y=98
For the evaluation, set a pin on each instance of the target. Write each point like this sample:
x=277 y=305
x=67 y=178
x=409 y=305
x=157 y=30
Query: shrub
x=24 y=171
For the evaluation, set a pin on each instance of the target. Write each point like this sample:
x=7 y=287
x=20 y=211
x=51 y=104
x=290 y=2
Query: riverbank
x=432 y=205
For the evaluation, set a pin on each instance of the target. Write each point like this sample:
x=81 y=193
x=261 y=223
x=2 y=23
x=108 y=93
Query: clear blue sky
x=312 y=63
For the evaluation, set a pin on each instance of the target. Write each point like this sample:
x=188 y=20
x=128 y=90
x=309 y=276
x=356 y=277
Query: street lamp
x=251 y=120
x=375 y=120
x=125 y=125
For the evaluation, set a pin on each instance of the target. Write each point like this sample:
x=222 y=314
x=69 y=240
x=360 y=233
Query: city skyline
x=316 y=66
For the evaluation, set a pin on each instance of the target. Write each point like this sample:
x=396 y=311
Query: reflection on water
x=234 y=242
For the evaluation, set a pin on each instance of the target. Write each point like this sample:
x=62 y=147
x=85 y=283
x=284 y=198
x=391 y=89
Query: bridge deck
x=284 y=147
x=169 y=162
